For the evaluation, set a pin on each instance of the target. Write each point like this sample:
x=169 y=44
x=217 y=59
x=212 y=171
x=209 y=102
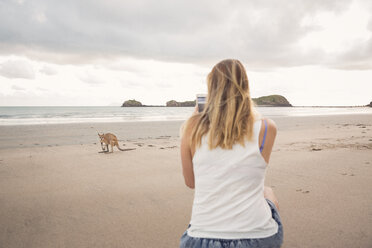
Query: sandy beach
x=56 y=190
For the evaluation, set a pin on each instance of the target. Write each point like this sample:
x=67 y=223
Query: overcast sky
x=90 y=52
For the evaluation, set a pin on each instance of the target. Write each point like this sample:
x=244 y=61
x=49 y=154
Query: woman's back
x=229 y=186
x=221 y=160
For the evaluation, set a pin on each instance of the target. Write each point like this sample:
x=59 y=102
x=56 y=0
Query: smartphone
x=201 y=99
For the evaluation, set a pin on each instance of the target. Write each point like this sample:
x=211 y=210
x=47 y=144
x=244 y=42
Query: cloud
x=15 y=87
x=42 y=89
x=17 y=69
x=163 y=85
x=264 y=34
x=48 y=70
x=357 y=57
x=92 y=79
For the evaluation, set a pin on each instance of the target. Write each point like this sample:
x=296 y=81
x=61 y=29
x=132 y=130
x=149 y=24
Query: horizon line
x=314 y=106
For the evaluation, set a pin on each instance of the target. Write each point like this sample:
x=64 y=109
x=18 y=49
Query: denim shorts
x=273 y=241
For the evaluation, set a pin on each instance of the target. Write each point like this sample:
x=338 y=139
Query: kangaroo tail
x=120 y=148
x=117 y=145
x=123 y=150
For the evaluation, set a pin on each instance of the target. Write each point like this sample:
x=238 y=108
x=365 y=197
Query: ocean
x=59 y=115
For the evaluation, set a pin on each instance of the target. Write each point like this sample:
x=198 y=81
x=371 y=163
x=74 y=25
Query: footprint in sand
x=150 y=145
x=162 y=148
x=316 y=149
x=347 y=174
x=36 y=144
x=171 y=147
x=303 y=192
x=163 y=137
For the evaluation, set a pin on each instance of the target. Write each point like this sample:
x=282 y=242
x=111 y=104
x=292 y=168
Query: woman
x=225 y=151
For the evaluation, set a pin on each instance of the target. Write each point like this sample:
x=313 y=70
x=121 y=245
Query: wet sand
x=57 y=190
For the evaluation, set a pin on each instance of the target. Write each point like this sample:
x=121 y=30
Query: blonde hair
x=229 y=112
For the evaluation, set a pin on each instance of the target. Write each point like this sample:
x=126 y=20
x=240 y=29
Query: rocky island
x=132 y=103
x=269 y=101
x=173 y=103
x=369 y=105
x=272 y=101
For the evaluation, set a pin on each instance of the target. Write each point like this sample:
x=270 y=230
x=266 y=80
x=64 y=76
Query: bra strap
x=264 y=137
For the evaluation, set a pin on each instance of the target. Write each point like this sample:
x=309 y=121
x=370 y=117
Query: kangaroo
x=110 y=139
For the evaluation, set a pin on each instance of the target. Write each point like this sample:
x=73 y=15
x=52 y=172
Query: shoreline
x=164 y=119
x=42 y=135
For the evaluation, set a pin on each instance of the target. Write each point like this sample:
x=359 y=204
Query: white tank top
x=229 y=198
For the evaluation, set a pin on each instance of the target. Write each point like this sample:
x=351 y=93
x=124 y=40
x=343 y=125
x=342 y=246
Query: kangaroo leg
x=112 y=147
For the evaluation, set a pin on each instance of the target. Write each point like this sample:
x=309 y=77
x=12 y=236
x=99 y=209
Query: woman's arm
x=186 y=158
x=270 y=138
x=187 y=153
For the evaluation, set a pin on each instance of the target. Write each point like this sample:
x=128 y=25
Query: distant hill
x=132 y=103
x=272 y=100
x=369 y=105
x=173 y=103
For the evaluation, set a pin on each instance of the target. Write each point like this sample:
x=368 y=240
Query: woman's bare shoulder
x=271 y=126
